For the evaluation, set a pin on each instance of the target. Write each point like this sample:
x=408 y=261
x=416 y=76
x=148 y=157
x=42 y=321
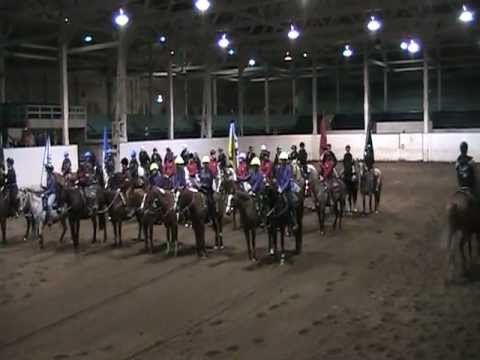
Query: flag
x=232 y=144
x=47 y=159
x=368 y=155
x=323 y=136
x=105 y=148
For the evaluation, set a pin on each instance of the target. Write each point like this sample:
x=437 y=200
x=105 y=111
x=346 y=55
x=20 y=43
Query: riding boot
x=293 y=214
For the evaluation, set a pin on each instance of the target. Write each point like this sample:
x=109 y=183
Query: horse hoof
x=376 y=212
x=272 y=252
x=24 y=239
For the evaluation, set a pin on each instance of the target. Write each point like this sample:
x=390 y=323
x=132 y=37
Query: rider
x=124 y=164
x=242 y=170
x=110 y=163
x=348 y=169
x=66 y=165
x=250 y=154
x=169 y=163
x=88 y=164
x=50 y=193
x=283 y=176
x=144 y=158
x=263 y=151
x=157 y=159
x=206 y=186
x=293 y=154
x=222 y=160
x=302 y=158
x=276 y=161
x=192 y=169
x=257 y=183
x=180 y=175
x=133 y=166
x=465 y=168
x=156 y=178
x=11 y=186
x=266 y=166
x=213 y=163
x=185 y=154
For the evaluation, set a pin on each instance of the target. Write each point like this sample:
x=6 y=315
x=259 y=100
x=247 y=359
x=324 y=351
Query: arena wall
x=29 y=162
x=439 y=147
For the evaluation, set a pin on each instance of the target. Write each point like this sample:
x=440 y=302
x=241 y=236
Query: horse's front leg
x=115 y=232
x=119 y=224
x=464 y=239
x=175 y=238
x=3 y=225
x=363 y=199
x=29 y=223
x=94 y=223
x=335 y=211
x=247 y=239
x=168 y=232
x=139 y=220
x=254 y=246
x=282 y=244
x=64 y=229
x=145 y=233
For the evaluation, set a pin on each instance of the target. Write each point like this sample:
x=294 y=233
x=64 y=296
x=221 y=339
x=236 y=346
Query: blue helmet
x=133 y=153
x=88 y=154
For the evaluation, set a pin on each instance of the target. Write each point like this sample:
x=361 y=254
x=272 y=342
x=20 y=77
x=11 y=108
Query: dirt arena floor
x=375 y=290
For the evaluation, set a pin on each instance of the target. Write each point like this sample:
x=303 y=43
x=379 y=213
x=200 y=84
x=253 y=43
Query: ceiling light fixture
x=288 y=57
x=121 y=19
x=251 y=62
x=347 y=51
x=223 y=42
x=162 y=39
x=374 y=25
x=466 y=15
x=231 y=52
x=202 y=5
x=293 y=33
x=88 y=38
x=413 y=47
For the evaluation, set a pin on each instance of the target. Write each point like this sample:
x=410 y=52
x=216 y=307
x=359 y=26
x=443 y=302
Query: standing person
x=283 y=175
x=213 y=164
x=276 y=161
x=125 y=172
x=66 y=165
x=250 y=154
x=302 y=158
x=157 y=159
x=293 y=153
x=110 y=163
x=169 y=163
x=263 y=151
x=348 y=176
x=206 y=186
x=465 y=168
x=11 y=187
x=49 y=195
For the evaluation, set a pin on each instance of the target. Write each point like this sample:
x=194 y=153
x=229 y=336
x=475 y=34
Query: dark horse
x=370 y=185
x=160 y=208
x=192 y=206
x=350 y=179
x=463 y=211
x=278 y=218
x=79 y=209
x=245 y=204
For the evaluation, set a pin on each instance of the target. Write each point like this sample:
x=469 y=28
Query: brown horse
x=370 y=184
x=192 y=206
x=160 y=208
x=245 y=204
x=463 y=211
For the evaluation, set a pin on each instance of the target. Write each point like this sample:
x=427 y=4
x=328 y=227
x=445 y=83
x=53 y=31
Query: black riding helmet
x=124 y=161
x=10 y=161
x=463 y=147
x=302 y=144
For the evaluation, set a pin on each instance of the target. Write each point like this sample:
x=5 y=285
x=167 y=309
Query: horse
x=463 y=214
x=245 y=204
x=226 y=177
x=4 y=214
x=78 y=209
x=159 y=207
x=191 y=205
x=278 y=218
x=351 y=186
x=31 y=205
x=370 y=184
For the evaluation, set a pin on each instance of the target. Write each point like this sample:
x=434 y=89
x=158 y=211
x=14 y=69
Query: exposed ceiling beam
x=96 y=47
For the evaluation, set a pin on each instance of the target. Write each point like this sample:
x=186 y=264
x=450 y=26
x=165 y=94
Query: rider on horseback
x=293 y=154
x=465 y=168
x=222 y=161
x=11 y=187
x=157 y=159
x=133 y=166
x=169 y=163
x=266 y=166
x=257 y=184
x=242 y=171
x=50 y=193
x=156 y=178
x=144 y=159
x=180 y=176
x=250 y=155
x=206 y=187
x=110 y=163
x=283 y=176
x=124 y=164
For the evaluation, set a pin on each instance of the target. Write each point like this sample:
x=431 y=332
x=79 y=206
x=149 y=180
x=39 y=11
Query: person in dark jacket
x=180 y=176
x=50 y=193
x=11 y=186
x=293 y=153
x=465 y=168
x=250 y=154
x=334 y=158
x=206 y=186
x=222 y=160
x=302 y=158
x=157 y=159
x=283 y=175
x=66 y=165
x=133 y=166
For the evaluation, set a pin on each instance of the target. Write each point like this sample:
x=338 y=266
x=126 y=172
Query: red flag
x=323 y=136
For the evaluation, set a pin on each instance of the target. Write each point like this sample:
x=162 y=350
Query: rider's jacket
x=169 y=167
x=192 y=168
x=222 y=161
x=465 y=171
x=302 y=157
x=133 y=168
x=156 y=158
x=266 y=167
x=327 y=169
x=242 y=171
x=66 y=166
x=256 y=181
x=51 y=185
x=283 y=176
x=348 y=166
x=160 y=181
x=250 y=156
x=293 y=155
x=144 y=158
x=206 y=179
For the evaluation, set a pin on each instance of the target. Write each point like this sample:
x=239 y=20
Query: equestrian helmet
x=49 y=166
x=88 y=154
x=124 y=161
x=10 y=161
x=255 y=161
x=179 y=161
x=464 y=147
x=66 y=154
x=153 y=167
x=263 y=147
x=133 y=153
x=283 y=156
x=205 y=159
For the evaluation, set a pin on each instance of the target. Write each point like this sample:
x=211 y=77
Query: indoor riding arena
x=223 y=179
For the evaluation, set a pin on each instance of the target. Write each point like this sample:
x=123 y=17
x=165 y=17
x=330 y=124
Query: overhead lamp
x=466 y=15
x=172 y=52
x=288 y=57
x=404 y=45
x=305 y=55
x=293 y=33
x=162 y=39
x=202 y=5
x=159 y=99
x=251 y=62
x=121 y=19
x=347 y=51
x=88 y=38
x=413 y=47
x=223 y=42
x=66 y=19
x=231 y=52
x=374 y=25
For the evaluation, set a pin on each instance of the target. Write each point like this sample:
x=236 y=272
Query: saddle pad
x=192 y=189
